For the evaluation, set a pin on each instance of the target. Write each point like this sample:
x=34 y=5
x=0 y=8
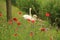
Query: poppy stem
x=47 y=18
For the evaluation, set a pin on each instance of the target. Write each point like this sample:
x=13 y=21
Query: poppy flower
x=15 y=19
x=15 y=34
x=31 y=34
x=33 y=21
x=18 y=23
x=10 y=22
x=28 y=20
x=19 y=13
x=0 y=14
x=43 y=29
x=47 y=14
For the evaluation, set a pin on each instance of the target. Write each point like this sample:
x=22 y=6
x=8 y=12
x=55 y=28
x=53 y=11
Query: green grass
x=7 y=31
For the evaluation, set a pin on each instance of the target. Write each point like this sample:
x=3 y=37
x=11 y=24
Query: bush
x=41 y=7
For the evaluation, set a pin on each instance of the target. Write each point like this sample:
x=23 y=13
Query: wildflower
x=31 y=34
x=28 y=20
x=33 y=21
x=47 y=14
x=15 y=34
x=43 y=29
x=19 y=13
x=0 y=14
x=18 y=23
x=15 y=19
x=10 y=21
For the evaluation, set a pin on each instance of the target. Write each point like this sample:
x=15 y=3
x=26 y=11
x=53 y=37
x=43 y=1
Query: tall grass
x=8 y=32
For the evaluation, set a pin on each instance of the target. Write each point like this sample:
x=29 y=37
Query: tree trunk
x=8 y=8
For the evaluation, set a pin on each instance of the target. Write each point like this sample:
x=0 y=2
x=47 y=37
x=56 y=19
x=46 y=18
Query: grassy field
x=25 y=30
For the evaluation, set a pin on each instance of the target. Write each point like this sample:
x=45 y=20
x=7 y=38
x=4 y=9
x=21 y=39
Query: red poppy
x=43 y=29
x=47 y=14
x=31 y=34
x=18 y=23
x=0 y=14
x=10 y=21
x=15 y=34
x=28 y=20
x=15 y=19
x=33 y=21
x=19 y=13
